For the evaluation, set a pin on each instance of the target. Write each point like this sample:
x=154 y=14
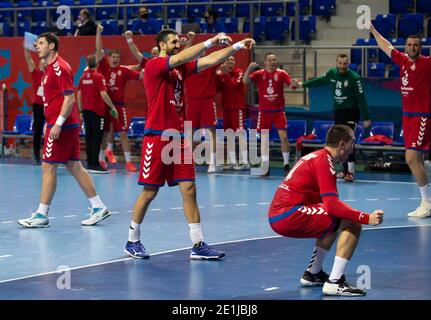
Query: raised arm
x=99 y=45
x=132 y=46
x=383 y=44
x=251 y=67
x=29 y=60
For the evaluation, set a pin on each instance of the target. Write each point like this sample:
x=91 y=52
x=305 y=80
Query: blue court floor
x=259 y=265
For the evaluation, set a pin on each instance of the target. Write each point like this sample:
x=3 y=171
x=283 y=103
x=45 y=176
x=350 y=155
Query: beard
x=413 y=56
x=172 y=51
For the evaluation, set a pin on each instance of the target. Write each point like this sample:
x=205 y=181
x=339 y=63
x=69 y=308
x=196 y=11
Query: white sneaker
x=245 y=166
x=96 y=215
x=211 y=168
x=37 y=220
x=342 y=288
x=423 y=211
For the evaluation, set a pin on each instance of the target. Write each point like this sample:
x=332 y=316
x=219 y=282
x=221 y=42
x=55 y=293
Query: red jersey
x=57 y=81
x=313 y=180
x=91 y=84
x=271 y=89
x=232 y=89
x=144 y=62
x=415 y=84
x=36 y=77
x=202 y=84
x=165 y=92
x=116 y=79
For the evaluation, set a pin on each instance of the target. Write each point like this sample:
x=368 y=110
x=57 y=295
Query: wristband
x=208 y=44
x=60 y=121
x=238 y=46
x=129 y=40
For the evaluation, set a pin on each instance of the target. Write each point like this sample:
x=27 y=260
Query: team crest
x=276 y=77
x=119 y=72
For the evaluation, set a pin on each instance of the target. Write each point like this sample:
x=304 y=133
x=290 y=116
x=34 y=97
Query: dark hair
x=113 y=51
x=212 y=13
x=414 y=36
x=86 y=12
x=338 y=133
x=50 y=38
x=341 y=56
x=162 y=35
x=268 y=54
x=92 y=61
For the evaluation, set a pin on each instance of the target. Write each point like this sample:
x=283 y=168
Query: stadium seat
x=110 y=27
x=304 y=8
x=390 y=18
x=5 y=29
x=243 y=9
x=383 y=57
x=231 y=24
x=403 y=6
x=325 y=8
x=22 y=126
x=425 y=42
x=39 y=27
x=320 y=128
x=398 y=139
x=410 y=23
x=23 y=27
x=423 y=6
x=353 y=67
x=176 y=11
x=136 y=127
x=24 y=15
x=359 y=133
x=154 y=11
x=277 y=27
x=376 y=70
x=307 y=28
x=384 y=27
x=381 y=128
x=273 y=135
x=356 y=54
x=394 y=72
x=194 y=9
x=272 y=9
x=296 y=129
x=5 y=16
x=224 y=10
x=40 y=15
x=106 y=13
x=152 y=26
x=259 y=26
x=131 y=12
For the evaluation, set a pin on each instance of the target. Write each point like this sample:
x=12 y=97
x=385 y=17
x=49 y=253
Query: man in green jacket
x=349 y=102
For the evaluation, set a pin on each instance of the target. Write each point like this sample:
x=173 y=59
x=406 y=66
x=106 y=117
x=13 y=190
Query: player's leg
x=280 y=123
x=264 y=124
x=89 y=132
x=125 y=144
x=346 y=245
x=243 y=152
x=38 y=119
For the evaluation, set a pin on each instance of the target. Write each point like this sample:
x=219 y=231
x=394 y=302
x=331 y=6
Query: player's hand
x=376 y=217
x=248 y=43
x=369 y=26
x=367 y=123
x=99 y=28
x=55 y=132
x=253 y=65
x=44 y=128
x=128 y=34
x=191 y=34
x=221 y=39
x=294 y=83
x=114 y=113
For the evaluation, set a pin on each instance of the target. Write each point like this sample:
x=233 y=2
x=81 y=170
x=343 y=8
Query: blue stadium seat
x=22 y=125
x=194 y=9
x=24 y=15
x=307 y=28
x=410 y=23
x=423 y=6
x=359 y=133
x=277 y=27
x=23 y=26
x=400 y=6
x=381 y=128
x=231 y=24
x=398 y=139
x=273 y=135
x=176 y=11
x=425 y=42
x=272 y=9
x=40 y=15
x=383 y=58
x=296 y=129
x=243 y=9
x=325 y=8
x=136 y=127
x=259 y=26
x=353 y=67
x=224 y=10
x=172 y=22
x=320 y=128
x=39 y=27
x=154 y=11
x=75 y=12
x=132 y=12
x=356 y=54
x=383 y=27
x=5 y=29
x=5 y=16
x=152 y=26
x=87 y=3
x=390 y=18
x=376 y=70
x=106 y=13
x=394 y=72
x=304 y=8
x=110 y=27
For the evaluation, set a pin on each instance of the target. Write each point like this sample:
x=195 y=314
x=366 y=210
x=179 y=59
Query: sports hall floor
x=258 y=264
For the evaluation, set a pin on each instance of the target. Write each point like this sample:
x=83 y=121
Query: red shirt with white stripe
x=57 y=81
x=415 y=84
x=232 y=89
x=91 y=84
x=116 y=79
x=270 y=87
x=311 y=181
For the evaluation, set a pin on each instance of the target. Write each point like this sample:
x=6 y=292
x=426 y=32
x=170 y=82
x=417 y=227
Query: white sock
x=339 y=268
x=265 y=158
x=213 y=158
x=110 y=146
x=102 y=155
x=128 y=156
x=244 y=157
x=425 y=193
x=43 y=209
x=286 y=156
x=134 y=231
x=316 y=261
x=96 y=202
x=232 y=157
x=351 y=167
x=196 y=232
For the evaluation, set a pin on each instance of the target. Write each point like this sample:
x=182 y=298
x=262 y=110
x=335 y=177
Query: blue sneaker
x=205 y=252
x=37 y=220
x=136 y=250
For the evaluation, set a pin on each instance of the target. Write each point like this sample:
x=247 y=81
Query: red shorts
x=266 y=119
x=310 y=221
x=120 y=124
x=417 y=133
x=65 y=148
x=233 y=119
x=202 y=112
x=178 y=165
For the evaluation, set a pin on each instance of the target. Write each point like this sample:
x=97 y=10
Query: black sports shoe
x=97 y=169
x=342 y=288
x=310 y=280
x=286 y=169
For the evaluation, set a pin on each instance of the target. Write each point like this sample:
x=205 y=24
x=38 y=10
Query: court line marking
x=188 y=248
x=70 y=216
x=5 y=256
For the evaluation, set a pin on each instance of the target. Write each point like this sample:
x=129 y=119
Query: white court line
x=241 y=204
x=156 y=209
x=271 y=289
x=349 y=200
x=115 y=211
x=219 y=205
x=187 y=248
x=372 y=199
x=70 y=216
x=262 y=203
x=414 y=198
x=393 y=198
x=129 y=211
x=51 y=218
x=6 y=222
x=176 y=208
x=5 y=256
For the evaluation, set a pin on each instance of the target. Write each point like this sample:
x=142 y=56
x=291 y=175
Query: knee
x=354 y=228
x=148 y=195
x=189 y=191
x=411 y=162
x=48 y=169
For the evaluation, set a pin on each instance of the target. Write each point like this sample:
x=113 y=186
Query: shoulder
x=354 y=75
